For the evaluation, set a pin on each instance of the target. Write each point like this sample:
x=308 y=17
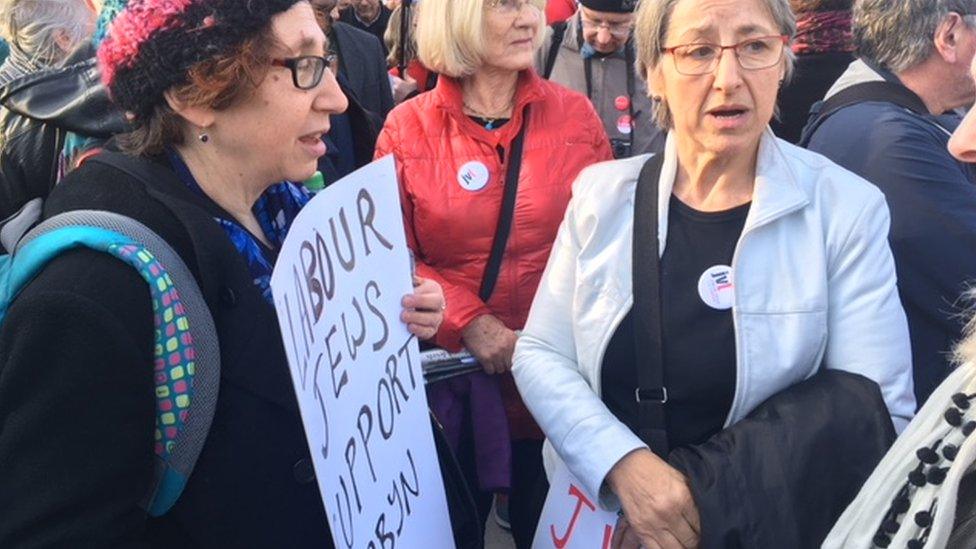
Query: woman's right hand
x=659 y=510
x=491 y=342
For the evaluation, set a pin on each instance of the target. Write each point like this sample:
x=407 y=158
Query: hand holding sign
x=424 y=308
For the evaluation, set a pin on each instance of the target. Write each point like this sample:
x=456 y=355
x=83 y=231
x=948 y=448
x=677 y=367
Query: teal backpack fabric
x=187 y=363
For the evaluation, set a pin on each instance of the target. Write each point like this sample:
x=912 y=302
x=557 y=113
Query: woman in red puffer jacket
x=453 y=146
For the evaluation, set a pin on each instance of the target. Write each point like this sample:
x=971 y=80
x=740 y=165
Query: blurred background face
x=606 y=32
x=511 y=27
x=325 y=12
x=367 y=10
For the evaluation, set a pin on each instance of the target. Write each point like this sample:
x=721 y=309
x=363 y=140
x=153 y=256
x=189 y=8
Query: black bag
x=783 y=475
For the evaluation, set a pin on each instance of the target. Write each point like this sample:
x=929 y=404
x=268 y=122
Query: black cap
x=615 y=6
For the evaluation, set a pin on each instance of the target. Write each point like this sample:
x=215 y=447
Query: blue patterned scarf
x=275 y=210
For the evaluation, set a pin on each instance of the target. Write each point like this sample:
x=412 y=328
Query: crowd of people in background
x=700 y=249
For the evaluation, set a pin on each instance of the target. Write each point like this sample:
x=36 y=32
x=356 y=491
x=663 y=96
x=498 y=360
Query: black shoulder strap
x=651 y=393
x=135 y=167
x=883 y=90
x=558 y=32
x=507 y=212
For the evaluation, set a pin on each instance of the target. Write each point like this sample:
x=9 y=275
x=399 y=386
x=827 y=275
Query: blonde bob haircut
x=451 y=34
x=651 y=33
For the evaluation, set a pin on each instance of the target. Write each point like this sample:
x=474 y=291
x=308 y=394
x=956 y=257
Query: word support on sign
x=571 y=518
x=356 y=369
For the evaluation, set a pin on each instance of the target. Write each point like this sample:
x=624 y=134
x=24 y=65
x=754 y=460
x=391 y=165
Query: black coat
x=377 y=28
x=362 y=60
x=77 y=404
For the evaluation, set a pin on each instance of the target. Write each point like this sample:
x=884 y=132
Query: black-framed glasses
x=307 y=70
x=752 y=54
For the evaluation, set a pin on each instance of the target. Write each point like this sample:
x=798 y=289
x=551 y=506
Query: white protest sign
x=337 y=287
x=572 y=518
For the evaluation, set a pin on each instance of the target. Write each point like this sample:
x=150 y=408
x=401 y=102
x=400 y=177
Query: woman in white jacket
x=774 y=264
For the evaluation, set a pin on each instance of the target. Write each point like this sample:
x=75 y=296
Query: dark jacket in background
x=76 y=435
x=363 y=62
x=932 y=197
x=376 y=28
x=812 y=77
x=36 y=112
x=362 y=128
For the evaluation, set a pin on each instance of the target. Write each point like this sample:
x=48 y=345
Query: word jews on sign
x=356 y=369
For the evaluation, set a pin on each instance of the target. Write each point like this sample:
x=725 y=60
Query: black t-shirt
x=699 y=341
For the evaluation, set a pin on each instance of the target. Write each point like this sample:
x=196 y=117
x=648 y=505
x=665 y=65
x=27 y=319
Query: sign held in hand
x=337 y=287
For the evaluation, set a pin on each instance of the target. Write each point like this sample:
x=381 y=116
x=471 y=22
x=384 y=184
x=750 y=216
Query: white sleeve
x=867 y=327
x=583 y=431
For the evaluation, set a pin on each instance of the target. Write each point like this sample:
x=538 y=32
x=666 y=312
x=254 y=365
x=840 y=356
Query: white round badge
x=473 y=176
x=715 y=287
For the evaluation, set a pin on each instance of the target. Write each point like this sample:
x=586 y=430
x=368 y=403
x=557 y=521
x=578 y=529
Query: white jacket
x=814 y=285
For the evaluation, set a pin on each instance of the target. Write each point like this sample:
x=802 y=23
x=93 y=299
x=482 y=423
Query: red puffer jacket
x=452 y=176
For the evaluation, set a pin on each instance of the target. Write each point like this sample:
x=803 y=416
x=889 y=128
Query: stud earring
x=204 y=137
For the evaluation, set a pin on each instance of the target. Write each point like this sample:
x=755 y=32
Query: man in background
x=888 y=119
x=370 y=16
x=593 y=53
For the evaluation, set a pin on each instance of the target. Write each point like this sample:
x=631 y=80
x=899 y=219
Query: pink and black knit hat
x=152 y=44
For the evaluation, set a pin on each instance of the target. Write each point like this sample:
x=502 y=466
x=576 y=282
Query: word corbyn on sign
x=356 y=369
x=571 y=518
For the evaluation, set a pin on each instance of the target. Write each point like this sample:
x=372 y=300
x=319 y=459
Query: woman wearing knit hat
x=228 y=100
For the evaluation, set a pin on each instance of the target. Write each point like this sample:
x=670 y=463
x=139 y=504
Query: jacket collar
x=447 y=97
x=777 y=190
x=858 y=72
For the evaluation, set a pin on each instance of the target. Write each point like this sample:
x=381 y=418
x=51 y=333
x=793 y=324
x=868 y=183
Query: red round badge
x=625 y=124
x=622 y=102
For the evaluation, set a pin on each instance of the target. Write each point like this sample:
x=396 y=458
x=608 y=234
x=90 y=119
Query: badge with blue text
x=473 y=176
x=715 y=287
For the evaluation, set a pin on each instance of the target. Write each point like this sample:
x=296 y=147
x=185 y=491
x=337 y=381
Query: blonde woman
x=456 y=146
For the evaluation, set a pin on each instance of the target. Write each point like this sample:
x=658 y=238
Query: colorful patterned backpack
x=187 y=357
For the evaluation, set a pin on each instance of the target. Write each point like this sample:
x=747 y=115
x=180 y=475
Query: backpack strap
x=558 y=32
x=187 y=356
x=881 y=91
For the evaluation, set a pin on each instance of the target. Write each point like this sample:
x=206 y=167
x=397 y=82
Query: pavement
x=497 y=537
